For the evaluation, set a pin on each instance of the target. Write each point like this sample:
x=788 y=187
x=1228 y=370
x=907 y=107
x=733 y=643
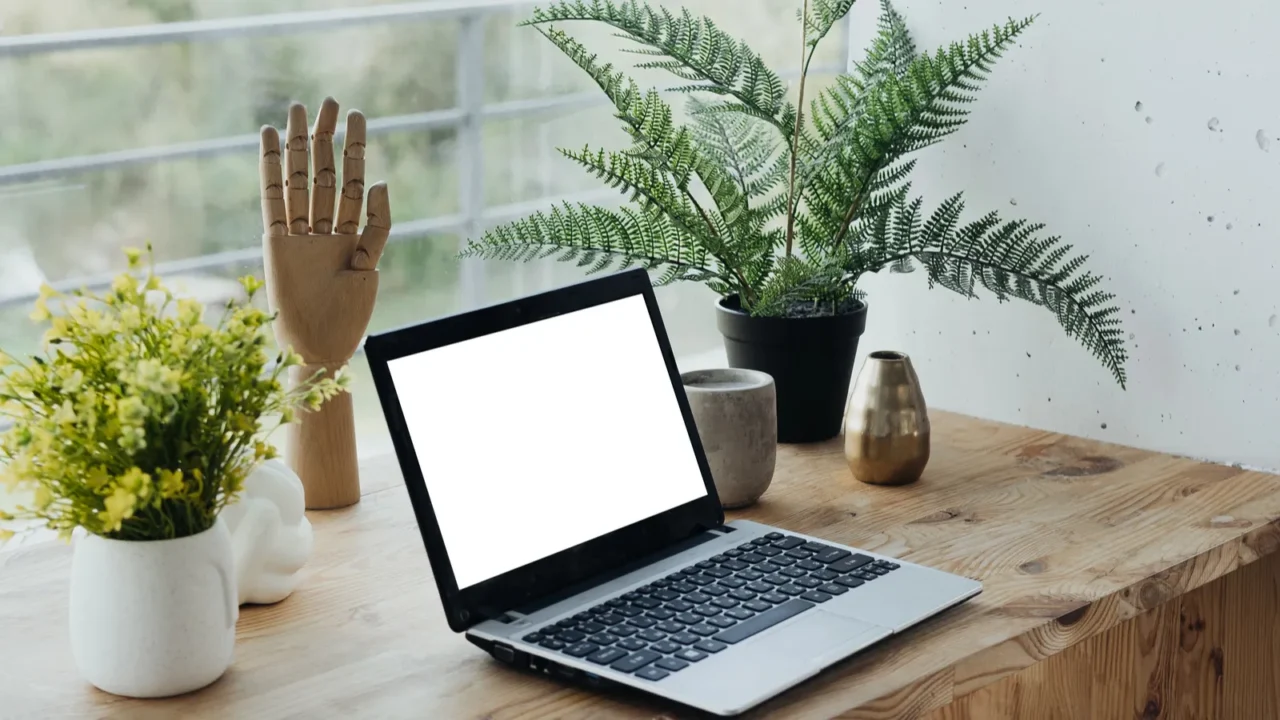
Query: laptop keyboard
x=709 y=606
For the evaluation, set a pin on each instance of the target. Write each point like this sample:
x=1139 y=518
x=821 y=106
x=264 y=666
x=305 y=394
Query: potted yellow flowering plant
x=139 y=423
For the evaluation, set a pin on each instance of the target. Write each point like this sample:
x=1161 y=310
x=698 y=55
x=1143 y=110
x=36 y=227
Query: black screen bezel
x=490 y=598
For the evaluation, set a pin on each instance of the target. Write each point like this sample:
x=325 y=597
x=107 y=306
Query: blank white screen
x=541 y=437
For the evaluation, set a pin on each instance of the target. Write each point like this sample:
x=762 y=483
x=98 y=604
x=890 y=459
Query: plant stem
x=742 y=281
x=795 y=132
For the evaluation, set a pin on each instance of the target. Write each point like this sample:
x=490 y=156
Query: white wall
x=1180 y=219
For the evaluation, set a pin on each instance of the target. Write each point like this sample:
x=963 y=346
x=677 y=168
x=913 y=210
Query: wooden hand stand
x=322 y=282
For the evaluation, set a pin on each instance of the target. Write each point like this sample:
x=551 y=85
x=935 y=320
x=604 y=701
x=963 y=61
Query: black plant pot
x=810 y=359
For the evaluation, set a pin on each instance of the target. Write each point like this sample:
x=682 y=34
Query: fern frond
x=601 y=237
x=823 y=15
x=902 y=114
x=819 y=287
x=695 y=49
x=1008 y=258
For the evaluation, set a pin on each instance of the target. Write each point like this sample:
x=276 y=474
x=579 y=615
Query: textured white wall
x=1174 y=199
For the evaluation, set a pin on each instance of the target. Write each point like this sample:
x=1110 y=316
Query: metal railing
x=467 y=118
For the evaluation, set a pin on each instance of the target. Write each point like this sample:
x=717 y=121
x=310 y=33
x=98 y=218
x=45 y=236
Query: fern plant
x=784 y=210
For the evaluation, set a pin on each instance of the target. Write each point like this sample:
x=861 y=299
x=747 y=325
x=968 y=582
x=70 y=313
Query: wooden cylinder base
x=321 y=447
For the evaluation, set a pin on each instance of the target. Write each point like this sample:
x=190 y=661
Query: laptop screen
x=538 y=438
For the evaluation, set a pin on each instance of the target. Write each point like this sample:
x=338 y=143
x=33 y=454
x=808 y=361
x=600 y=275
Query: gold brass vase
x=886 y=423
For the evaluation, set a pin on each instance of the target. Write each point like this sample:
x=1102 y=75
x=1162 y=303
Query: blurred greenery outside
x=84 y=102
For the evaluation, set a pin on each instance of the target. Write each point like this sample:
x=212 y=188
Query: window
x=122 y=130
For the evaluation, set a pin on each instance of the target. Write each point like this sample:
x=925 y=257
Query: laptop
x=571 y=520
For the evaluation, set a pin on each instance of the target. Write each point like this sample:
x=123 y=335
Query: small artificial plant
x=783 y=209
x=140 y=421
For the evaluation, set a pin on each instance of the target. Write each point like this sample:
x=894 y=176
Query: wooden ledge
x=1071 y=538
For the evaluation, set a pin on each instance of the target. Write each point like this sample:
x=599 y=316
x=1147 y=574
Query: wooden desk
x=1119 y=583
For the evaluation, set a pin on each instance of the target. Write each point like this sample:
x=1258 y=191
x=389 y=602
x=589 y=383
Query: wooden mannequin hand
x=322 y=277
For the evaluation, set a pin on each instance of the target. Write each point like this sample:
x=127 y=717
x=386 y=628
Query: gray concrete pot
x=736 y=412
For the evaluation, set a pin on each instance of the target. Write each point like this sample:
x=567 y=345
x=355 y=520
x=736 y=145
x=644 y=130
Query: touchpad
x=777 y=658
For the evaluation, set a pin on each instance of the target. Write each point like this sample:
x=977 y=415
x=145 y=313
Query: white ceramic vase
x=154 y=618
x=270 y=534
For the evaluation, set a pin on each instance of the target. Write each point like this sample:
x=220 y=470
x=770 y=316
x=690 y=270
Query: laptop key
x=815 y=546
x=652 y=673
x=742 y=595
x=783 y=561
x=849 y=564
x=683 y=587
x=628 y=611
x=768 y=551
x=598 y=610
x=715 y=590
x=722 y=621
x=697 y=598
x=666 y=647
x=747 y=547
x=632 y=644
x=660 y=614
x=848 y=581
x=799 y=554
x=791 y=590
x=651 y=635
x=616 y=602
x=833 y=589
x=763 y=621
x=707 y=610
x=876 y=569
x=566 y=623
x=736 y=565
x=792 y=572
x=704 y=564
x=711 y=646
x=775 y=536
x=532 y=637
x=768 y=568
x=689 y=618
x=701 y=579
x=751 y=558
x=777 y=579
x=669 y=626
x=832 y=555
x=607 y=655
x=684 y=638
x=816 y=596
x=646 y=603
x=787 y=543
x=733 y=552
x=610 y=619
x=622 y=630
x=642 y=622
x=825 y=575
x=732 y=583
x=671 y=664
x=760 y=586
x=604 y=639
x=809 y=565
x=581 y=649
x=691 y=570
x=864 y=575
x=761 y=541
x=739 y=613
x=808 y=582
x=704 y=630
x=724 y=602
x=591 y=627
x=750 y=575
x=718 y=558
x=757 y=605
x=774 y=597
x=635 y=661
x=679 y=606
x=552 y=644
x=690 y=655
x=719 y=572
x=665 y=595
x=570 y=636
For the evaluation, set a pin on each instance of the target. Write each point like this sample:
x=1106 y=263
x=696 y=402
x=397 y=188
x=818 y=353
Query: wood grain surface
x=1110 y=582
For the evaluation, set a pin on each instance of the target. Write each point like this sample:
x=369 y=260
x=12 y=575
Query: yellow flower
x=250 y=284
x=124 y=284
x=118 y=507
x=43 y=497
x=66 y=414
x=41 y=313
x=5 y=535
x=97 y=478
x=153 y=283
x=47 y=291
x=130 y=318
x=5 y=360
x=171 y=484
x=177 y=344
x=131 y=410
x=190 y=311
x=134 y=256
